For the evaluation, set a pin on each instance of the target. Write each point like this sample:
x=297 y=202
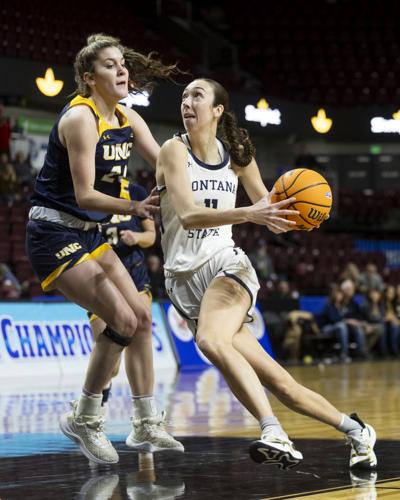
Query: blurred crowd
x=359 y=319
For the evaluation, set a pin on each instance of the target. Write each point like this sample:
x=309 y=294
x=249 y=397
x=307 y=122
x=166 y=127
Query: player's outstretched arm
x=173 y=163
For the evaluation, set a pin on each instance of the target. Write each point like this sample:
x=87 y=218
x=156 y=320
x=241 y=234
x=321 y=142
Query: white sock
x=348 y=424
x=89 y=405
x=144 y=406
x=271 y=423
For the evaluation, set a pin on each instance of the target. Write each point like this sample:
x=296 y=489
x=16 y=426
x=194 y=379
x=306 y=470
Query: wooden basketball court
x=37 y=462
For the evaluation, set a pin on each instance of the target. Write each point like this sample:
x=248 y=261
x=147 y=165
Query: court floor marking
x=387 y=482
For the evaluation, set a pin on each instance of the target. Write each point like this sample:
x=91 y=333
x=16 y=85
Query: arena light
x=262 y=114
x=380 y=125
x=321 y=123
x=48 y=85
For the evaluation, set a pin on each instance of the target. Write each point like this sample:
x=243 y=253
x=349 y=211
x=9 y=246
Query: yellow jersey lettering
x=68 y=250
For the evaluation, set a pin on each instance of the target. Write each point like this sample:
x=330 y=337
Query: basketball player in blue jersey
x=129 y=235
x=213 y=284
x=82 y=183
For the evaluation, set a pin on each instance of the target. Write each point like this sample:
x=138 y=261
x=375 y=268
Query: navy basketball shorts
x=140 y=277
x=53 y=249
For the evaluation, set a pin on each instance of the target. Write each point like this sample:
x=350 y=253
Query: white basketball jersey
x=213 y=186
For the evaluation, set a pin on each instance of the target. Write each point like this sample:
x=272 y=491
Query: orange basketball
x=313 y=196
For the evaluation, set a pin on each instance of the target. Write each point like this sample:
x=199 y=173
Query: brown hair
x=143 y=70
x=235 y=138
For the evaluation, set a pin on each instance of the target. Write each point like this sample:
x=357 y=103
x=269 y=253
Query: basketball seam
x=293 y=181
x=314 y=204
x=308 y=187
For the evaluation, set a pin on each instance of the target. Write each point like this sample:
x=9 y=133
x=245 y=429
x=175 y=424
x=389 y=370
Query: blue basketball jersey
x=130 y=255
x=54 y=187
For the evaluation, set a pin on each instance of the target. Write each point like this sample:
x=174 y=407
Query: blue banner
x=56 y=338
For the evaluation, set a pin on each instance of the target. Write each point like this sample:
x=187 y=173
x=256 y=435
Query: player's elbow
x=186 y=221
x=83 y=200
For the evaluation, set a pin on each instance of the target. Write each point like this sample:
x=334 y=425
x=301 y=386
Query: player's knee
x=126 y=324
x=213 y=348
x=145 y=320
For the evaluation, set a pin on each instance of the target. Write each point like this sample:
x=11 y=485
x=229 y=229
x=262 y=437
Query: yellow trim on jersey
x=124 y=193
x=99 y=250
x=147 y=292
x=103 y=124
x=54 y=275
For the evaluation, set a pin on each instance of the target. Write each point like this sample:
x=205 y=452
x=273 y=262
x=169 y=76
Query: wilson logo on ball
x=316 y=215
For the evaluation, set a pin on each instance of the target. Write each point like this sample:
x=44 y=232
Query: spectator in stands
x=8 y=181
x=23 y=171
x=350 y=272
x=392 y=322
x=10 y=288
x=374 y=326
x=397 y=301
x=332 y=322
x=287 y=320
x=370 y=279
x=353 y=316
x=156 y=275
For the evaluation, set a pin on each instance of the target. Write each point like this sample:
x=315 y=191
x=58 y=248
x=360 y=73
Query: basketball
x=313 y=197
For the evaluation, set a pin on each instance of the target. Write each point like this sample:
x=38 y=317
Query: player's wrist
x=133 y=207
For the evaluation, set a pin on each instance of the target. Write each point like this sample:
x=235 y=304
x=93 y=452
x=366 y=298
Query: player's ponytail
x=235 y=138
x=143 y=70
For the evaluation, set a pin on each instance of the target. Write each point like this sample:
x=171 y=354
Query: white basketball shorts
x=186 y=290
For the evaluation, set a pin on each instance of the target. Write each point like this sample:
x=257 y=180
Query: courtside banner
x=189 y=355
x=56 y=339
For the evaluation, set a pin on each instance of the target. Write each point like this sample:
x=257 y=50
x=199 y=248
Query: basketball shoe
x=88 y=432
x=275 y=450
x=149 y=434
x=362 y=444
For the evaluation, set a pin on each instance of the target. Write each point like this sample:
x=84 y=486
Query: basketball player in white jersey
x=213 y=284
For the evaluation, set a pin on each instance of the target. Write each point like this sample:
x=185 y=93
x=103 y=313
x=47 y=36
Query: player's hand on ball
x=273 y=214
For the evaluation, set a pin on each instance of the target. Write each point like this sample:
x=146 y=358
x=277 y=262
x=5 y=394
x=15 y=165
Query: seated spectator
x=156 y=275
x=370 y=279
x=374 y=326
x=332 y=323
x=298 y=324
x=10 y=288
x=280 y=301
x=353 y=315
x=23 y=171
x=8 y=183
x=350 y=272
x=392 y=321
x=292 y=322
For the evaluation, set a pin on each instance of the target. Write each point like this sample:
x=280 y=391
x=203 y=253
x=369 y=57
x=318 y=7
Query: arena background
x=317 y=84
